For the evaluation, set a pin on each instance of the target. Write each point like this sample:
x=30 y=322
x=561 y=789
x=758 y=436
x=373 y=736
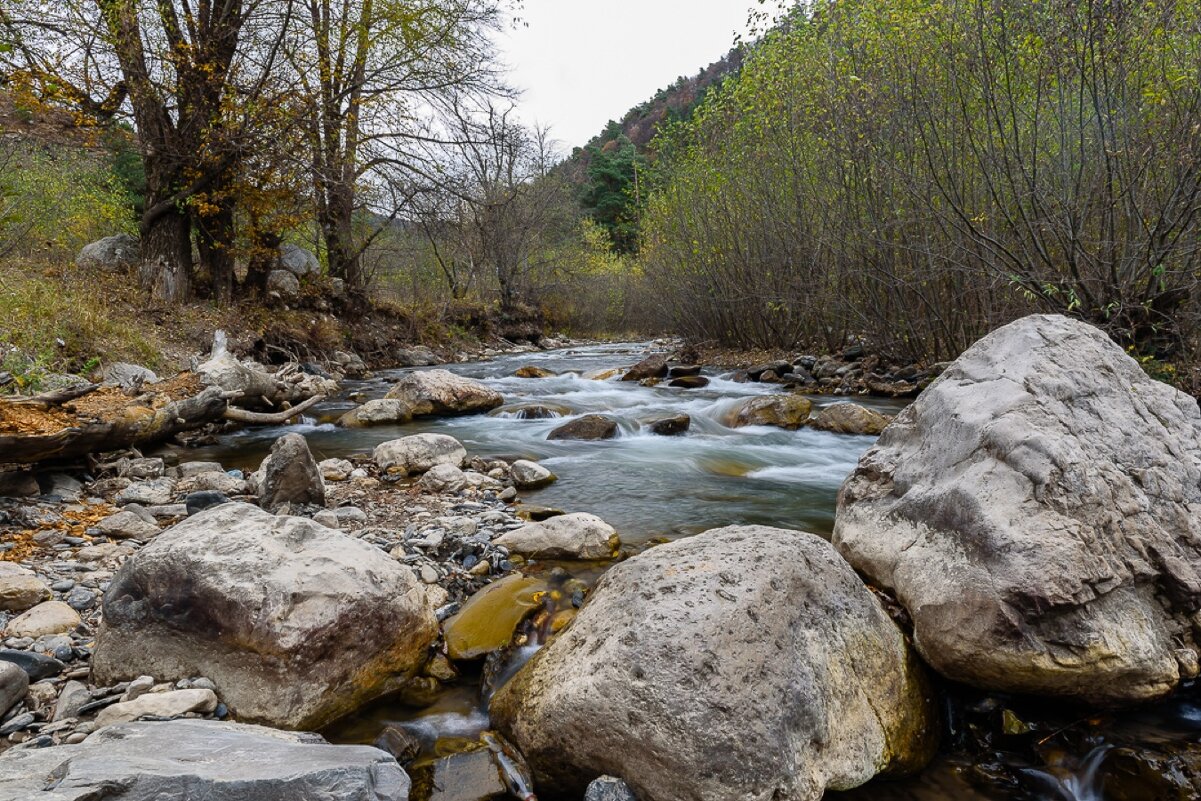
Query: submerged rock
x=439 y=393
x=467 y=776
x=489 y=618
x=295 y=623
x=588 y=427
x=781 y=411
x=533 y=411
x=689 y=382
x=744 y=663
x=531 y=371
x=193 y=759
x=849 y=418
x=670 y=426
x=654 y=366
x=1038 y=512
x=574 y=536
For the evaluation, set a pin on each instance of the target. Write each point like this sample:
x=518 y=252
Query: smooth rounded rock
x=51 y=617
x=419 y=453
x=531 y=475
x=574 y=536
x=744 y=663
x=443 y=478
x=295 y=623
x=21 y=592
x=588 y=427
x=378 y=412
x=14 y=684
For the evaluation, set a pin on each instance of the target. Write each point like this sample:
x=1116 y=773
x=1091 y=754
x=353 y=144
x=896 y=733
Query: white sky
x=582 y=63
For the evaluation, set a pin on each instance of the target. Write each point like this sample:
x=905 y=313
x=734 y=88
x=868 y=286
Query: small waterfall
x=1082 y=782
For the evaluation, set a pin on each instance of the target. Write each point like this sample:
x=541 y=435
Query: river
x=651 y=487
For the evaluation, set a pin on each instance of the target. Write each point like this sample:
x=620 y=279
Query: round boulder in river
x=781 y=411
x=849 y=418
x=744 y=663
x=296 y=624
x=588 y=427
x=1037 y=510
x=441 y=393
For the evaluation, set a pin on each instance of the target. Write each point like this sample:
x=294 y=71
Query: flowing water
x=646 y=486
x=652 y=487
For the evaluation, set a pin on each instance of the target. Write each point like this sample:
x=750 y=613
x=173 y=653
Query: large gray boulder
x=289 y=475
x=200 y=759
x=297 y=624
x=744 y=663
x=1037 y=511
x=441 y=393
x=111 y=253
x=298 y=261
x=284 y=283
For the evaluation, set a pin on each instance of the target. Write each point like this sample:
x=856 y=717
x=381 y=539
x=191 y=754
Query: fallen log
x=105 y=419
x=270 y=418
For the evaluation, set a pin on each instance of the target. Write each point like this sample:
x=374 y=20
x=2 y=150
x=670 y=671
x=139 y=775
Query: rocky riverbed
x=414 y=592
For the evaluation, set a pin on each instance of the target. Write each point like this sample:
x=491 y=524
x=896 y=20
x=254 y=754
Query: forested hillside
x=611 y=170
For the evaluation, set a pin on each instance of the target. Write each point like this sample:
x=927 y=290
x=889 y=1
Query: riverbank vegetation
x=904 y=176
x=918 y=173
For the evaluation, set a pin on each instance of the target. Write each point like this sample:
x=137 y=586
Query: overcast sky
x=582 y=64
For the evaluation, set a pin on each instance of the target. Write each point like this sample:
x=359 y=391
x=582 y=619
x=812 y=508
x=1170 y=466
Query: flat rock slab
x=1037 y=510
x=193 y=760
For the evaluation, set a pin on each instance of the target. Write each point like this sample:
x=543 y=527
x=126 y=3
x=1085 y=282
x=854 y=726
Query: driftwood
x=57 y=398
x=258 y=388
x=32 y=433
x=270 y=418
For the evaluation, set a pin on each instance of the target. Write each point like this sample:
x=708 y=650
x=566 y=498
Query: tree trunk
x=166 y=264
x=215 y=242
x=345 y=261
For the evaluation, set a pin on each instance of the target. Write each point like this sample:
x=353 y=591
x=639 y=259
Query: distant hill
x=608 y=170
x=641 y=123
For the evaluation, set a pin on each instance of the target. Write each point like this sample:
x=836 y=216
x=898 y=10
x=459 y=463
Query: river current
x=651 y=487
